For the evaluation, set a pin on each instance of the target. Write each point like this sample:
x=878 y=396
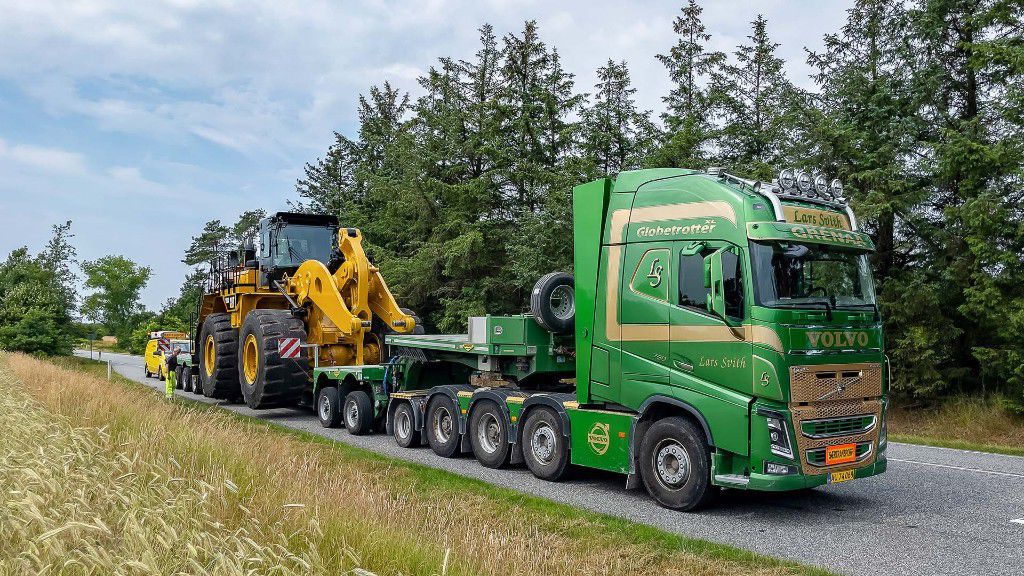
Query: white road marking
x=979 y=470
x=1017 y=521
x=979 y=452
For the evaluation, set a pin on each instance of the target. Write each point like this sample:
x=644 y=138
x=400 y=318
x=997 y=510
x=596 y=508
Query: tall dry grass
x=106 y=478
x=961 y=422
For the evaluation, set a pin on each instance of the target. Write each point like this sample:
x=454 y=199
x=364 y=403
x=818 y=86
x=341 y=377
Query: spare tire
x=553 y=302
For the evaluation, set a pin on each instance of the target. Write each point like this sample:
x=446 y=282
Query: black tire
x=545 y=447
x=442 y=426
x=160 y=374
x=381 y=330
x=145 y=368
x=328 y=407
x=358 y=413
x=272 y=381
x=179 y=378
x=404 y=424
x=553 y=302
x=197 y=384
x=675 y=464
x=221 y=379
x=488 y=435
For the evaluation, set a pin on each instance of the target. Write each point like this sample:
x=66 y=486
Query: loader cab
x=288 y=239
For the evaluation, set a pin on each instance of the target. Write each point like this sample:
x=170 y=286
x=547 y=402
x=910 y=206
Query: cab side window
x=732 y=275
x=693 y=294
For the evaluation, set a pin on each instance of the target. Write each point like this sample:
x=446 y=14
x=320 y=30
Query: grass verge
x=964 y=423
x=106 y=477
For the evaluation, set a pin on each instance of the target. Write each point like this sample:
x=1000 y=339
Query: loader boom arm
x=351 y=296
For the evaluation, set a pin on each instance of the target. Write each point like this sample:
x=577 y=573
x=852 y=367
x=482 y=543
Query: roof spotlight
x=803 y=182
x=821 y=186
x=836 y=189
x=787 y=179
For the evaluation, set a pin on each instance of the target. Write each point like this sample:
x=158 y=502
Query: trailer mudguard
x=419 y=408
x=452 y=392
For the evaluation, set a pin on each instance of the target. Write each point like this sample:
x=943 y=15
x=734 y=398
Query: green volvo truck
x=715 y=332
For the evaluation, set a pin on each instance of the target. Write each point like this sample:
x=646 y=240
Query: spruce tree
x=689 y=115
x=758 y=104
x=616 y=135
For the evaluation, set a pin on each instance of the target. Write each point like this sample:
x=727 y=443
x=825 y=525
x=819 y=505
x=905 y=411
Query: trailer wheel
x=179 y=378
x=358 y=412
x=404 y=422
x=443 y=426
x=553 y=302
x=545 y=448
x=488 y=434
x=675 y=464
x=193 y=385
x=267 y=380
x=218 y=357
x=328 y=407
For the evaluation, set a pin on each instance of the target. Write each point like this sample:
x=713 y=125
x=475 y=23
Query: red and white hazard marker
x=288 y=347
x=164 y=345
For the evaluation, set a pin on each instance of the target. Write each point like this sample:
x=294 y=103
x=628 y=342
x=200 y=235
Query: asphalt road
x=935 y=511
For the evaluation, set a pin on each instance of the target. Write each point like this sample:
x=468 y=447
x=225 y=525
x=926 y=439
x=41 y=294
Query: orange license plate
x=841 y=454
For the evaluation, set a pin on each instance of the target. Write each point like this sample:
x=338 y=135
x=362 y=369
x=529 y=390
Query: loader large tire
x=267 y=380
x=218 y=357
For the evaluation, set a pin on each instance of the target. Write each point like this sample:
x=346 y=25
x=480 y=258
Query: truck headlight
x=778 y=436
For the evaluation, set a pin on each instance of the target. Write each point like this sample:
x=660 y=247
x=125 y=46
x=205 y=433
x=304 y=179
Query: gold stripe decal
x=690 y=210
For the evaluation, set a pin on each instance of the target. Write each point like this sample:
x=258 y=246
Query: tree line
x=41 y=310
x=463 y=192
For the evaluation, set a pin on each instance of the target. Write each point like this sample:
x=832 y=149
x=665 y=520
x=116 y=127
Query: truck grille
x=835 y=404
x=834 y=382
x=832 y=427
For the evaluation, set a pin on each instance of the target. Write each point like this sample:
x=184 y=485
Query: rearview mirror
x=713 y=279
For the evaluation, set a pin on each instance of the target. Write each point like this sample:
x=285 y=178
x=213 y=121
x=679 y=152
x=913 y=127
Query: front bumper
x=773 y=483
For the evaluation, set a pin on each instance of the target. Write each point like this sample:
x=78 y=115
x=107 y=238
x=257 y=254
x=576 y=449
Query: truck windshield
x=294 y=244
x=790 y=275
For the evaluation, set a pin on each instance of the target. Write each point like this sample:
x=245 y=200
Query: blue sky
x=139 y=121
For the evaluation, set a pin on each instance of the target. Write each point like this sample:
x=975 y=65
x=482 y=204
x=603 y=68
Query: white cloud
x=47 y=159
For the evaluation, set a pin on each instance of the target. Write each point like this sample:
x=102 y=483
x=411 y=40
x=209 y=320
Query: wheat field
x=106 y=478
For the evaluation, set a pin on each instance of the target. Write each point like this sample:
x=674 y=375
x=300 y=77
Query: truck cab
x=745 y=307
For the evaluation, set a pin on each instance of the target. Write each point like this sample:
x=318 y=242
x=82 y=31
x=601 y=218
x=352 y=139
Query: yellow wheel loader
x=306 y=286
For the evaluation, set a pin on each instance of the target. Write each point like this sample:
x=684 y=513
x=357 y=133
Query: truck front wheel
x=545 y=448
x=443 y=427
x=675 y=464
x=488 y=434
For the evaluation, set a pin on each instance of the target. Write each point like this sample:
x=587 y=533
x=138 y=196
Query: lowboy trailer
x=716 y=332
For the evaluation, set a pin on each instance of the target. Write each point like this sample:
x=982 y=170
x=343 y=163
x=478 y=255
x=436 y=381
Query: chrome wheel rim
x=351 y=414
x=442 y=424
x=325 y=407
x=403 y=427
x=563 y=302
x=672 y=464
x=542 y=443
x=488 y=433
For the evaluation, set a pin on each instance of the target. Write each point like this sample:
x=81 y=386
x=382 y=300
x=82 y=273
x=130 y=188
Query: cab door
x=644 y=315
x=708 y=351
x=148 y=356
